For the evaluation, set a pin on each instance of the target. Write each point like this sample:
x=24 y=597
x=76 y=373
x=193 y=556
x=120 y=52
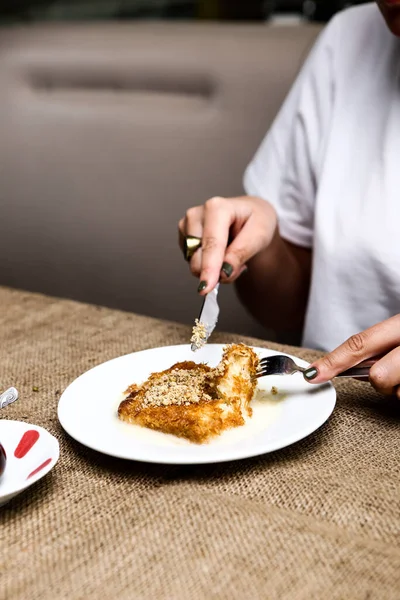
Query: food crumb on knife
x=199 y=334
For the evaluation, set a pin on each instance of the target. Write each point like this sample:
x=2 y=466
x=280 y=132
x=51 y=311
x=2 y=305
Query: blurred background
x=116 y=116
x=225 y=10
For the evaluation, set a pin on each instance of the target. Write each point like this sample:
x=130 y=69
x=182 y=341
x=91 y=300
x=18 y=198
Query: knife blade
x=207 y=320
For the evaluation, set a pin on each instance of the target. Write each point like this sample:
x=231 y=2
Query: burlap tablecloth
x=320 y=519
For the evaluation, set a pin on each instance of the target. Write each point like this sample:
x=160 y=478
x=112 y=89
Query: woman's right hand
x=233 y=230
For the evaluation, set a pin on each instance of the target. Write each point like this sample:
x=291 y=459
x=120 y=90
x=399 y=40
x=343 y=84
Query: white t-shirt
x=331 y=167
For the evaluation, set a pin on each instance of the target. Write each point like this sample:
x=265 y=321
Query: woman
x=315 y=241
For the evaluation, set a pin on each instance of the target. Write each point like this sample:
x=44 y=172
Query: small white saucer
x=31 y=453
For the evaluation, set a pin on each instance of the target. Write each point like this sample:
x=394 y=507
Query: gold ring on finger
x=191 y=243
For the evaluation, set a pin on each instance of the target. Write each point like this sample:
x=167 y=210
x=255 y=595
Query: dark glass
x=3 y=460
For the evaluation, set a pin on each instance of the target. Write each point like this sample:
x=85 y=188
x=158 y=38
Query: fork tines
x=264 y=360
x=262 y=368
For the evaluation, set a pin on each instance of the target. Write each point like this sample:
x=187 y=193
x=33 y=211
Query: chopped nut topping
x=199 y=334
x=178 y=387
x=181 y=385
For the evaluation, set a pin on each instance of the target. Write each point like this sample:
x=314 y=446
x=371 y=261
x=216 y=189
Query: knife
x=207 y=320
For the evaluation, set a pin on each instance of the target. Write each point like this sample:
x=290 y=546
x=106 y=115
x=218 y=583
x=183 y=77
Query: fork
x=284 y=365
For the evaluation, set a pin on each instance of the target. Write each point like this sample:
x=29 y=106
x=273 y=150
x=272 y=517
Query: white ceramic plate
x=31 y=453
x=87 y=410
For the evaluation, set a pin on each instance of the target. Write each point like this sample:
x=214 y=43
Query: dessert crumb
x=199 y=334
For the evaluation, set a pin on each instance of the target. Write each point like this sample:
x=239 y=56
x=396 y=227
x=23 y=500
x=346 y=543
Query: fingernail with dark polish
x=202 y=286
x=311 y=373
x=227 y=269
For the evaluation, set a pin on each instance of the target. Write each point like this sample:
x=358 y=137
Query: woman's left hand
x=381 y=340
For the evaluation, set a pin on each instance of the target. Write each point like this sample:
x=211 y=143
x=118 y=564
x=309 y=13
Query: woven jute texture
x=320 y=519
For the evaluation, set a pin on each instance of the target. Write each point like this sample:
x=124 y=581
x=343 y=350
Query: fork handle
x=7 y=397
x=361 y=370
